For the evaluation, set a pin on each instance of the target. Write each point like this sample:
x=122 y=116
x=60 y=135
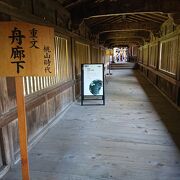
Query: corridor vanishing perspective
x=134 y=136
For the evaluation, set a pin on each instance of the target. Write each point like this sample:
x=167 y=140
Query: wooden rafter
x=91 y=9
x=143 y=17
x=154 y=17
x=126 y=26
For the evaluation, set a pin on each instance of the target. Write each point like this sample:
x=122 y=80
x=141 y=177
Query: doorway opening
x=120 y=55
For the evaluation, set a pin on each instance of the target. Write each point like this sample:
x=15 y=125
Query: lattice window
x=95 y=55
x=63 y=65
x=153 y=54
x=82 y=56
x=169 y=55
x=145 y=54
x=102 y=56
x=140 y=54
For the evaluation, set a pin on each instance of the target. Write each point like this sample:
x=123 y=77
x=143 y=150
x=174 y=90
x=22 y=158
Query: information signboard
x=92 y=82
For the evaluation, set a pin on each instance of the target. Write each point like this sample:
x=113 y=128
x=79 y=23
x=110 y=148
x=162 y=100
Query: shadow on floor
x=171 y=117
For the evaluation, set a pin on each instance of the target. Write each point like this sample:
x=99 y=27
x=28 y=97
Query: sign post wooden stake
x=26 y=50
x=22 y=127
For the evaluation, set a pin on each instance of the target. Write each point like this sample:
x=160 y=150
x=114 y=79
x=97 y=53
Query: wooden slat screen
x=145 y=54
x=82 y=56
x=63 y=66
x=1 y=154
x=63 y=70
x=169 y=55
x=95 y=55
x=140 y=54
x=102 y=55
x=153 y=54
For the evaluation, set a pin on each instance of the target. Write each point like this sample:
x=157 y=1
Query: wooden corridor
x=135 y=136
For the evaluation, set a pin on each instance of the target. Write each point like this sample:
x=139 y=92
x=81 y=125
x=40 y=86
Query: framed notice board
x=92 y=84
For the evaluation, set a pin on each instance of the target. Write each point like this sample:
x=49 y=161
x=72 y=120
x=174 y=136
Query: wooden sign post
x=22 y=127
x=26 y=50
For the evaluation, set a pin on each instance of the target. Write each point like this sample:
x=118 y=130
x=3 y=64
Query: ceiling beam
x=124 y=35
x=142 y=33
x=132 y=38
x=73 y=4
x=133 y=18
x=105 y=20
x=151 y=27
x=88 y=9
x=119 y=43
x=154 y=16
x=127 y=44
x=145 y=18
x=127 y=40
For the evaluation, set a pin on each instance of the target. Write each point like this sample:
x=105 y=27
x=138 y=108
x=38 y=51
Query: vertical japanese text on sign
x=27 y=49
x=17 y=51
x=47 y=57
x=34 y=37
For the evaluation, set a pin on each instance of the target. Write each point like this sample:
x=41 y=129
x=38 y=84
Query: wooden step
x=127 y=65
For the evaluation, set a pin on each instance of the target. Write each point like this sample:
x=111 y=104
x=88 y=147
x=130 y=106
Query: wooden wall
x=41 y=11
x=86 y=53
x=95 y=54
x=46 y=97
x=159 y=62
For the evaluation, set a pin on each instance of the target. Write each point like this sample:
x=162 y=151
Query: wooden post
x=22 y=127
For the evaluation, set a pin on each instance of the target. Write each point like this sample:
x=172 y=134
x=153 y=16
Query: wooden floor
x=135 y=136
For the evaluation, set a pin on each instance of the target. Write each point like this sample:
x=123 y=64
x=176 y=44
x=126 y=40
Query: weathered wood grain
x=136 y=135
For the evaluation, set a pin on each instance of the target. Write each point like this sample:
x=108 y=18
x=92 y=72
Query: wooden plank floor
x=135 y=136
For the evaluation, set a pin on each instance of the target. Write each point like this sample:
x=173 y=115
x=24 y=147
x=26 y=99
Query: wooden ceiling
x=121 y=22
